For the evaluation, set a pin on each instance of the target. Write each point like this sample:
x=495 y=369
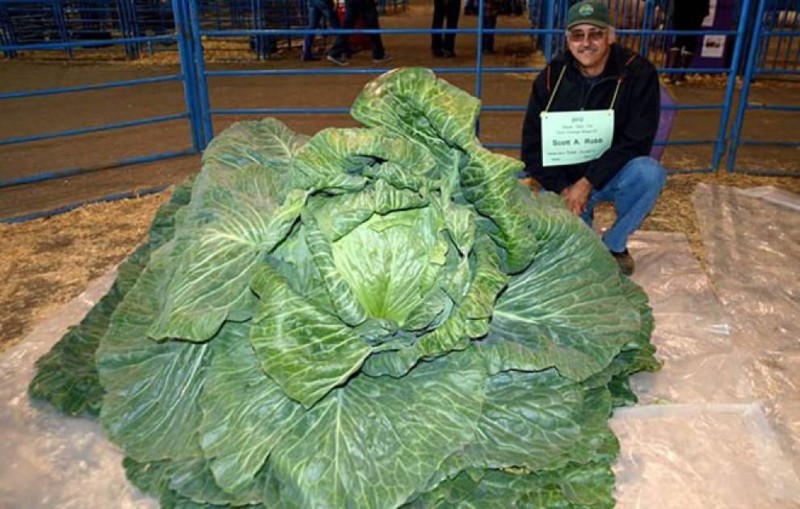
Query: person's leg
x=341 y=46
x=453 y=10
x=314 y=17
x=673 y=62
x=688 y=48
x=331 y=16
x=370 y=16
x=678 y=56
x=437 y=22
x=634 y=191
x=489 y=23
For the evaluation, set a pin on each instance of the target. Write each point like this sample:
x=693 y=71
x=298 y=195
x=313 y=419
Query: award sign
x=574 y=137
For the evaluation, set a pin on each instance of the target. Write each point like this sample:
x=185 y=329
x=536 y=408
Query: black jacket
x=636 y=115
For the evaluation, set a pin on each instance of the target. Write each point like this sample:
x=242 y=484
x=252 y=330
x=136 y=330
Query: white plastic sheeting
x=717 y=427
x=752 y=241
x=48 y=460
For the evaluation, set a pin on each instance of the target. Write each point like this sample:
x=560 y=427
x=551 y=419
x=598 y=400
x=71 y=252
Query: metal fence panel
x=761 y=34
x=773 y=54
x=45 y=12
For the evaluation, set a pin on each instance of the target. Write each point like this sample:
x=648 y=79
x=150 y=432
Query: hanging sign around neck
x=574 y=137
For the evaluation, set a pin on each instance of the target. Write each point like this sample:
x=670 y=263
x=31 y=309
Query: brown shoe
x=625 y=262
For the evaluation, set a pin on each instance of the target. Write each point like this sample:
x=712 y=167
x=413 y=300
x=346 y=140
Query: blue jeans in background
x=634 y=192
x=317 y=11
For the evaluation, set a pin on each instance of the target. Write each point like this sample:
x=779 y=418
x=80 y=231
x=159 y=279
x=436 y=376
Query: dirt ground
x=46 y=262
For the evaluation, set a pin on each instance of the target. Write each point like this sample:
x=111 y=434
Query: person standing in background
x=443 y=45
x=368 y=12
x=317 y=11
x=686 y=15
x=491 y=10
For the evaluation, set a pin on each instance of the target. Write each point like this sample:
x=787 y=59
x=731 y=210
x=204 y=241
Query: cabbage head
x=371 y=317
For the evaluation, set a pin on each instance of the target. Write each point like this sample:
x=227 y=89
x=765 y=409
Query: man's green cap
x=592 y=13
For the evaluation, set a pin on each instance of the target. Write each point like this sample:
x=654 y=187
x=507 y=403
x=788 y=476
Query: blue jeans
x=633 y=191
x=317 y=11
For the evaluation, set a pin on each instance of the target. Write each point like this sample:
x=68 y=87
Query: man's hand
x=577 y=196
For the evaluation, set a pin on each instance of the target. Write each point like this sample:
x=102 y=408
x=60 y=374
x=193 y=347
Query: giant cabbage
x=371 y=317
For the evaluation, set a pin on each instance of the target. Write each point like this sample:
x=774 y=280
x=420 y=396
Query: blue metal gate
x=18 y=34
x=773 y=53
x=763 y=42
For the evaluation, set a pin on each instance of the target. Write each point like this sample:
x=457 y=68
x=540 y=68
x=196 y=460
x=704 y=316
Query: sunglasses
x=580 y=35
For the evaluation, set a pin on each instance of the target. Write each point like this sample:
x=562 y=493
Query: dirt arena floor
x=46 y=262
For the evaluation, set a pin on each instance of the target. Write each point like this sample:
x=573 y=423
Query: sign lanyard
x=574 y=137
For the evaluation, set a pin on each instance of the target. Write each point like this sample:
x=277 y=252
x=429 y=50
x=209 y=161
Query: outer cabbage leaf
x=189 y=484
x=529 y=420
x=340 y=214
x=373 y=442
x=150 y=407
x=333 y=159
x=217 y=253
x=636 y=355
x=570 y=309
x=537 y=422
x=238 y=389
x=242 y=206
x=67 y=376
x=573 y=487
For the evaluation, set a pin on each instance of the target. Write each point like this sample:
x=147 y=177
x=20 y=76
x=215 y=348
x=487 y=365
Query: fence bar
x=188 y=74
x=744 y=94
x=720 y=149
x=203 y=114
x=788 y=144
x=87 y=88
x=282 y=111
x=481 y=30
x=87 y=44
x=71 y=172
x=88 y=130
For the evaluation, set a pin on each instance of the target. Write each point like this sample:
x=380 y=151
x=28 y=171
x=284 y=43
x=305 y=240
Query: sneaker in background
x=337 y=59
x=385 y=58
